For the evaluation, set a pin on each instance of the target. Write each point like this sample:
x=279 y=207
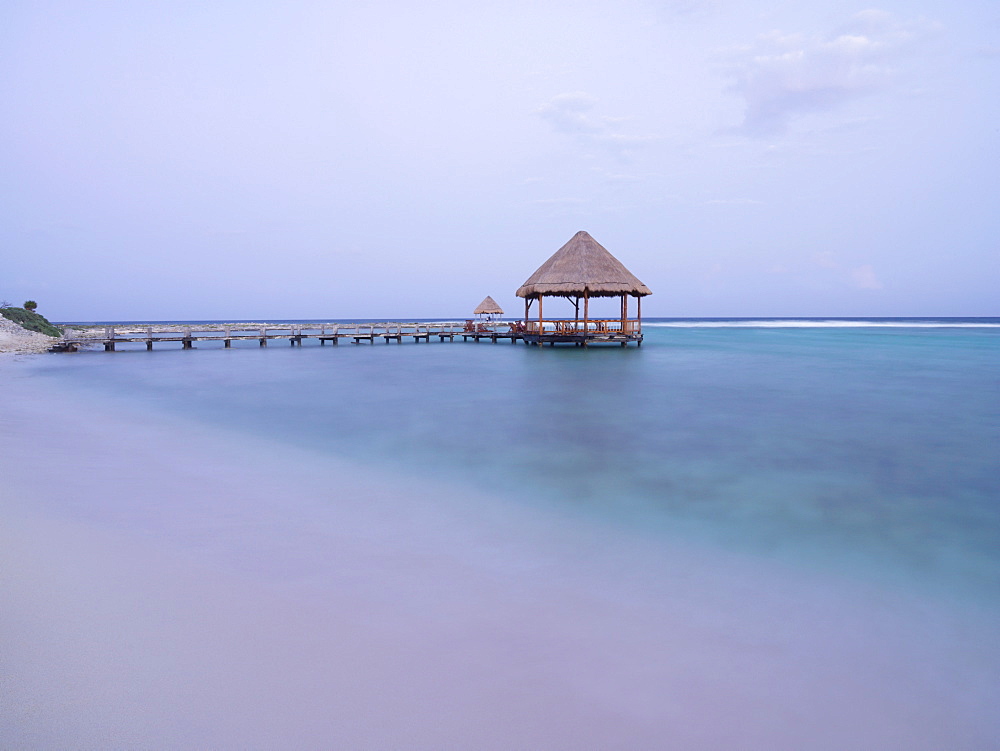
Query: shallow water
x=820 y=442
x=798 y=525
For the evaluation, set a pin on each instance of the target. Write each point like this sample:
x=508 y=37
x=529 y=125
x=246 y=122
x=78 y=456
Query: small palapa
x=488 y=307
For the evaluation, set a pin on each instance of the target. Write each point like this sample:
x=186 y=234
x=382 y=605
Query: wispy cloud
x=673 y=9
x=864 y=278
x=560 y=201
x=734 y=202
x=782 y=76
x=825 y=258
x=574 y=114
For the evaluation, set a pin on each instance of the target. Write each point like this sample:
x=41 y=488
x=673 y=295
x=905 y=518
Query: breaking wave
x=925 y=323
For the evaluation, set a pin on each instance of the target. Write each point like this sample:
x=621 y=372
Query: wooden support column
x=541 y=328
x=586 y=315
x=149 y=345
x=638 y=302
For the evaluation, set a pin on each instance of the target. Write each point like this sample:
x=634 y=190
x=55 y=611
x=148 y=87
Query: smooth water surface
x=867 y=446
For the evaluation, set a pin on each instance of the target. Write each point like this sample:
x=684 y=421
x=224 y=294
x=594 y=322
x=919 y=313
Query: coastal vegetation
x=27 y=318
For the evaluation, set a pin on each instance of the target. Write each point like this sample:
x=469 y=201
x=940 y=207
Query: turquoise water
x=843 y=445
x=744 y=534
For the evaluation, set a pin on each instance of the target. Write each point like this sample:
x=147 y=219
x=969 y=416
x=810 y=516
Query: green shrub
x=30 y=320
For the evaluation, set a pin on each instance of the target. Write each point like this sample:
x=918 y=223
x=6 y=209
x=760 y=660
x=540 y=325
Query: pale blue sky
x=194 y=160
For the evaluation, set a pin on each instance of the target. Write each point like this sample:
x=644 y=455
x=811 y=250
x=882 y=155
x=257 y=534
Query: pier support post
x=186 y=344
x=109 y=346
x=149 y=346
x=227 y=343
x=263 y=342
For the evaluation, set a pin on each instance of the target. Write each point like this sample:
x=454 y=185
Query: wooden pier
x=547 y=331
x=491 y=330
x=580 y=270
x=110 y=337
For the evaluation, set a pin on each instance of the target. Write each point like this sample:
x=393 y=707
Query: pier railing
x=573 y=327
x=188 y=334
x=253 y=330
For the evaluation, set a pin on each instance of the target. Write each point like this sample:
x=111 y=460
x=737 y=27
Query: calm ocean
x=847 y=470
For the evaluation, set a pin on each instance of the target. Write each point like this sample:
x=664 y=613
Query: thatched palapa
x=488 y=307
x=582 y=267
x=579 y=270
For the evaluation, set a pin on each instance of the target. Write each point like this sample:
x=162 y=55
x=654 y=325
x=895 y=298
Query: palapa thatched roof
x=488 y=307
x=582 y=265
